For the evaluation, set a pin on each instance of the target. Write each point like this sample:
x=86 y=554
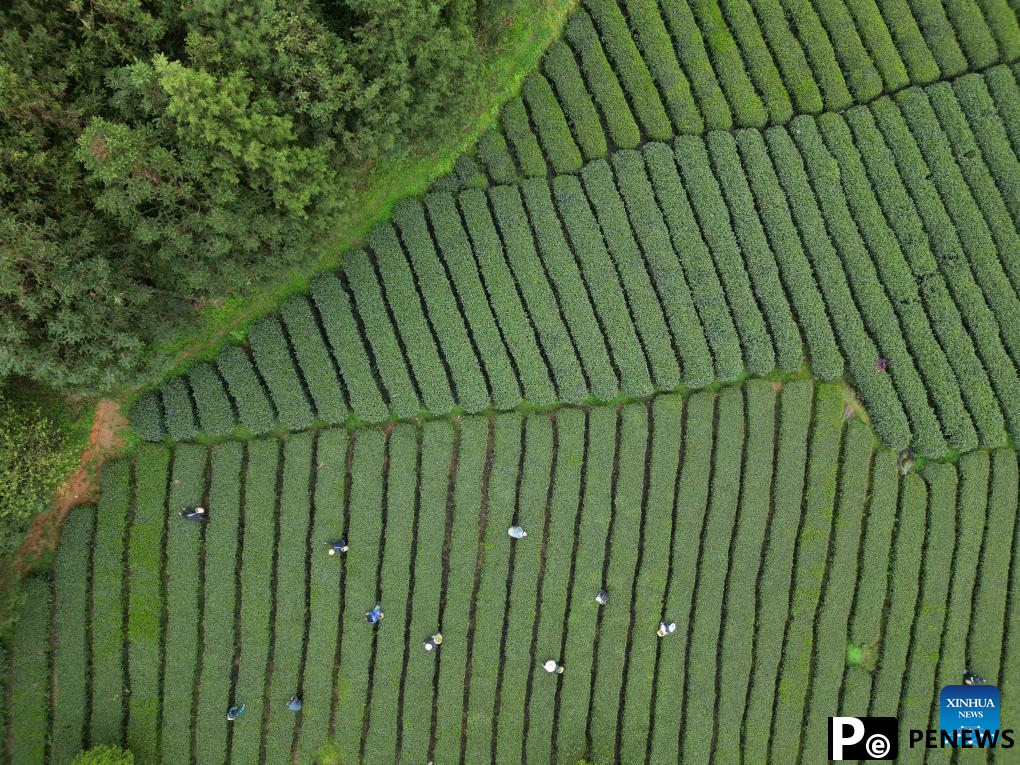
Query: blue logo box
x=969 y=711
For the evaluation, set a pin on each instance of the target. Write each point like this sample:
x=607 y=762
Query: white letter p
x=838 y=739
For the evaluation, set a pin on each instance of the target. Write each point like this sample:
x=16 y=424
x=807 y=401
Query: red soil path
x=80 y=487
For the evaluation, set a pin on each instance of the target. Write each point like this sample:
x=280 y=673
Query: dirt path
x=80 y=487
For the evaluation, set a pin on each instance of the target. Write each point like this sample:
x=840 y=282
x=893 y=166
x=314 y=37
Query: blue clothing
x=337 y=547
x=374 y=615
x=294 y=705
x=234 y=712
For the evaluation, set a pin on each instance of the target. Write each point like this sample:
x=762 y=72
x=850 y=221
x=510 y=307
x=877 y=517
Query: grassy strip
x=714 y=221
x=600 y=188
x=505 y=301
x=658 y=53
x=758 y=257
x=902 y=332
x=456 y=253
x=559 y=544
x=30 y=672
x=972 y=91
x=876 y=387
x=381 y=743
x=652 y=578
x=260 y=515
x=145 y=604
x=561 y=68
x=979 y=179
x=690 y=50
x=984 y=646
x=582 y=620
x=944 y=351
x=1002 y=20
x=520 y=136
x=899 y=616
x=288 y=628
x=688 y=522
x=437 y=444
x=108 y=679
x=713 y=562
x=559 y=262
x=1009 y=675
x=773 y=589
x=456 y=344
x=71 y=580
x=178 y=414
x=940 y=36
x=523 y=597
x=491 y=598
x=818 y=49
x=872 y=579
x=738 y=624
x=631 y=68
x=829 y=653
x=215 y=415
x=551 y=124
x=601 y=78
x=388 y=359
x=921 y=226
x=253 y=406
x=366 y=400
x=461 y=562
x=273 y=359
x=180 y=649
x=926 y=646
x=218 y=612
x=760 y=63
x=602 y=278
x=965 y=215
x=623 y=546
x=360 y=589
x=324 y=592
x=407 y=309
x=147 y=417
x=646 y=220
x=314 y=359
x=825 y=358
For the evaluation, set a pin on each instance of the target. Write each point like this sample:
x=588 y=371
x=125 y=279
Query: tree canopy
x=154 y=152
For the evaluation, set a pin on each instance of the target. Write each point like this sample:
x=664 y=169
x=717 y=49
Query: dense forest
x=155 y=154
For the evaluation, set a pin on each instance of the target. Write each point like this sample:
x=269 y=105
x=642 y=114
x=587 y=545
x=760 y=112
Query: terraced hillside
x=771 y=529
x=889 y=231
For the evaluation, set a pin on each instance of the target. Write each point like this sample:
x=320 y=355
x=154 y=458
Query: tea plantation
x=724 y=313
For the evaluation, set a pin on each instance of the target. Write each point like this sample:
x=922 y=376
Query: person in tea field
x=337 y=547
x=666 y=628
x=517 y=532
x=294 y=705
x=193 y=513
x=969 y=678
x=553 y=666
x=375 y=615
x=602 y=598
x=434 y=642
x=234 y=712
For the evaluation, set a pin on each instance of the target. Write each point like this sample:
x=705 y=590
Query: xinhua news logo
x=863 y=738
